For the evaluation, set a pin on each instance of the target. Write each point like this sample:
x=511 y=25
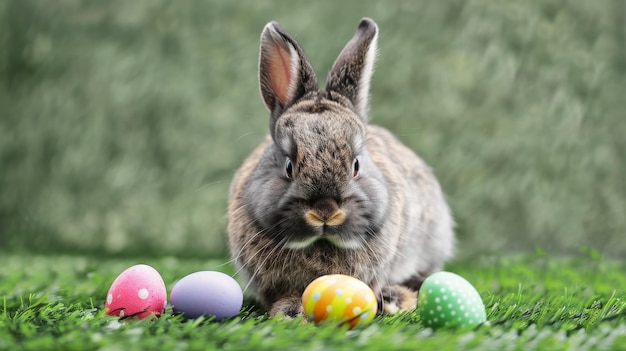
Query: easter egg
x=448 y=300
x=207 y=293
x=339 y=298
x=138 y=291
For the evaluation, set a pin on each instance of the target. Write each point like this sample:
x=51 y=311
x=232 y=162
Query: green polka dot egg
x=448 y=300
x=339 y=298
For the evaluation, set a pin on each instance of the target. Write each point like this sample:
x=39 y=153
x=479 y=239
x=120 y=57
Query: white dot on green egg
x=453 y=313
x=439 y=308
x=443 y=315
x=430 y=291
x=316 y=296
x=445 y=297
x=143 y=293
x=437 y=300
x=338 y=292
x=435 y=319
x=443 y=290
x=431 y=312
x=466 y=314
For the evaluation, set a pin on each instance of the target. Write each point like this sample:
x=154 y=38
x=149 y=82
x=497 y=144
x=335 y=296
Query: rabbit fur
x=327 y=193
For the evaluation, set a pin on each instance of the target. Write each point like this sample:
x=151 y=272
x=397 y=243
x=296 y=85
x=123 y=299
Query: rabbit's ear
x=352 y=71
x=285 y=73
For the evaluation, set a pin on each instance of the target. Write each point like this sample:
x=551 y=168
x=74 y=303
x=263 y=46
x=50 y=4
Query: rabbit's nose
x=325 y=212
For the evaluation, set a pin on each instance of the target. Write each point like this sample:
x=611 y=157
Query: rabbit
x=327 y=193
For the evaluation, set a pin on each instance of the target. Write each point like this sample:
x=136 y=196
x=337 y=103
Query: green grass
x=533 y=302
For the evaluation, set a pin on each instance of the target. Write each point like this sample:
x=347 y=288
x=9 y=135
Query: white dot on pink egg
x=109 y=299
x=143 y=293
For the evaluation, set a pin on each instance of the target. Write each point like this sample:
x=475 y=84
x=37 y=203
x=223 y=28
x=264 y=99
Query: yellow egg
x=339 y=298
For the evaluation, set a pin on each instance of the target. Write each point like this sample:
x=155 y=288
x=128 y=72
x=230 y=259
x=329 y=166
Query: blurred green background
x=122 y=122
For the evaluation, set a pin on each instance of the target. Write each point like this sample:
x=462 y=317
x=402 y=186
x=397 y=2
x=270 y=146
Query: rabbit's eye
x=355 y=167
x=288 y=168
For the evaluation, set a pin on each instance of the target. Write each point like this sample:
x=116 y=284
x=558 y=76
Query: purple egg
x=207 y=293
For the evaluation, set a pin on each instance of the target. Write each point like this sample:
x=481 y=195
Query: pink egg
x=138 y=291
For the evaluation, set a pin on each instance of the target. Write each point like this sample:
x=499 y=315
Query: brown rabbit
x=327 y=193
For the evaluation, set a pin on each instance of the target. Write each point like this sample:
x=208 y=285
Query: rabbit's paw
x=287 y=307
x=397 y=298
